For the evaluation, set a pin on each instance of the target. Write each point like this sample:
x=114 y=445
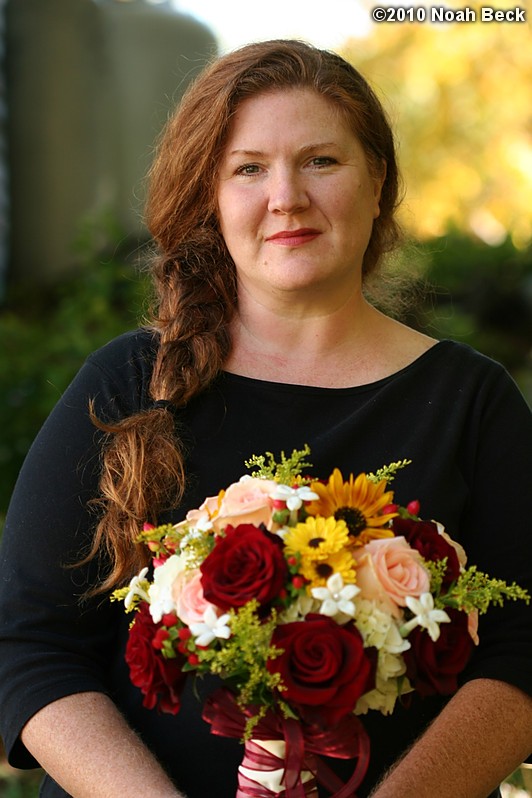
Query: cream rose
x=246 y=502
x=460 y=551
x=472 y=626
x=389 y=570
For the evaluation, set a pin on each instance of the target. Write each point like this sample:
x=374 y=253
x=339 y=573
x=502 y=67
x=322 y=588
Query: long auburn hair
x=143 y=464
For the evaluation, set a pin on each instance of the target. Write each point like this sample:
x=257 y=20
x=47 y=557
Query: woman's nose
x=287 y=192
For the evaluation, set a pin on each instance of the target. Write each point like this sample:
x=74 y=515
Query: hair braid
x=143 y=465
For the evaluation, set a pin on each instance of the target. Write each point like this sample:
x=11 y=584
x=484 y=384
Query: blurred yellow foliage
x=460 y=99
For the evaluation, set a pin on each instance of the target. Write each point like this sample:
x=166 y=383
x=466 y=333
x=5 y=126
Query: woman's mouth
x=294 y=238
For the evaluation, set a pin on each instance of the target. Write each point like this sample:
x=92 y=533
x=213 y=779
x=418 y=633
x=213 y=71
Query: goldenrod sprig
x=286 y=472
x=476 y=590
x=388 y=472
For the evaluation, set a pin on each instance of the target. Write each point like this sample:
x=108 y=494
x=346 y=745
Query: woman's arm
x=481 y=736
x=85 y=745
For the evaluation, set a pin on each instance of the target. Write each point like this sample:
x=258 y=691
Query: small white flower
x=211 y=627
x=137 y=588
x=424 y=615
x=336 y=597
x=294 y=497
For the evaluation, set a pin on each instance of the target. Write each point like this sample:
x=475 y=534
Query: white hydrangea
x=382 y=698
x=299 y=609
x=160 y=592
x=378 y=628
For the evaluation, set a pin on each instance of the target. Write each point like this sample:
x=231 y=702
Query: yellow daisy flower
x=358 y=502
x=317 y=538
x=318 y=571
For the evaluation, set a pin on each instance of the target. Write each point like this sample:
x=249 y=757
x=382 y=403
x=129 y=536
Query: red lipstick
x=294 y=238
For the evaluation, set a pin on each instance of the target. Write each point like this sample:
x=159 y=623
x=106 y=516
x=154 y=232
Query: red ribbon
x=348 y=740
x=257 y=758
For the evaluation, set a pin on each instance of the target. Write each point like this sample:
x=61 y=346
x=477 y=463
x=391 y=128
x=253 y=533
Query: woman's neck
x=352 y=344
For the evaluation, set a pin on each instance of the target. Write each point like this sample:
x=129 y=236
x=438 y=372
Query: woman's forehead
x=283 y=113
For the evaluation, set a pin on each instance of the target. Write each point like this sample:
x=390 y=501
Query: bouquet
x=314 y=602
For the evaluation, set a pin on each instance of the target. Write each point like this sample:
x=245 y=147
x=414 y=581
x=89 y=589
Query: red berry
x=193 y=659
x=184 y=633
x=298 y=582
x=292 y=561
x=390 y=508
x=160 y=636
x=413 y=507
x=169 y=619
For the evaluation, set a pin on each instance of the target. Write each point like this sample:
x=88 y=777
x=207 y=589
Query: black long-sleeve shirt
x=456 y=414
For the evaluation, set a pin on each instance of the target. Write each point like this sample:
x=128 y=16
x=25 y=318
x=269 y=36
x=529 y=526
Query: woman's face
x=296 y=197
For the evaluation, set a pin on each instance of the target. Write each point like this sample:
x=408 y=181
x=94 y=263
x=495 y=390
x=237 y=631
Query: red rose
x=246 y=564
x=160 y=680
x=323 y=666
x=424 y=536
x=433 y=667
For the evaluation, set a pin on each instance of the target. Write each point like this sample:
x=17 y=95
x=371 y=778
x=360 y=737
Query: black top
x=456 y=414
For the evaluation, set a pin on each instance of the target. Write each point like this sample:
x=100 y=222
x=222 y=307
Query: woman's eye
x=323 y=160
x=248 y=169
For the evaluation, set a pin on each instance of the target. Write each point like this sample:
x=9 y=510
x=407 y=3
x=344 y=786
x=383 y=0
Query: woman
x=272 y=202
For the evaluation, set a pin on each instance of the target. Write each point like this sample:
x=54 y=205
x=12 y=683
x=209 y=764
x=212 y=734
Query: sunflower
x=317 y=538
x=317 y=572
x=358 y=502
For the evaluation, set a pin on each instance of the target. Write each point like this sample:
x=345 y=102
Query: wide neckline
x=419 y=362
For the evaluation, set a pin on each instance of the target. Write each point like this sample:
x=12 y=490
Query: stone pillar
x=90 y=84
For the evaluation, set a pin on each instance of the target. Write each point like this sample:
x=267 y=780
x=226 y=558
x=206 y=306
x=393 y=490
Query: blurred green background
x=459 y=98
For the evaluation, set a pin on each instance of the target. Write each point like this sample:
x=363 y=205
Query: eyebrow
x=303 y=150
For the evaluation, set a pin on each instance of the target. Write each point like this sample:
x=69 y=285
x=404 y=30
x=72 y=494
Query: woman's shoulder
x=116 y=377
x=133 y=343
x=133 y=346
x=407 y=346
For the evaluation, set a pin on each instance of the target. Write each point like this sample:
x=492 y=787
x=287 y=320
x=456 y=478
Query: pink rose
x=187 y=592
x=246 y=502
x=389 y=570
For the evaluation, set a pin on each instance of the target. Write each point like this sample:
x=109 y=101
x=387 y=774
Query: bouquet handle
x=283 y=758
x=264 y=773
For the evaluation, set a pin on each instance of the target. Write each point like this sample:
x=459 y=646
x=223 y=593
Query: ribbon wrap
x=303 y=746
